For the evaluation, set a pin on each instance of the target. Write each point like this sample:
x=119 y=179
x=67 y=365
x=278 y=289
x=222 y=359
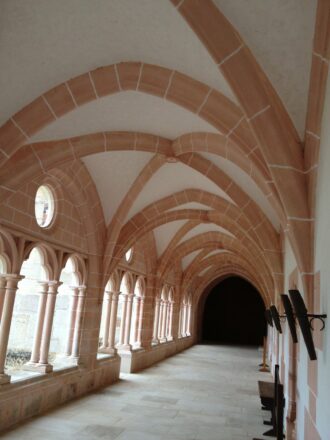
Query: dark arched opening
x=234 y=313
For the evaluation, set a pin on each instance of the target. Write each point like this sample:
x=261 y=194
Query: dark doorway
x=234 y=313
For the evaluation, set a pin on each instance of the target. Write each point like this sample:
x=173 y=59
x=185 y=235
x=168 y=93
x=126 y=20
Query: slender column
x=137 y=300
x=43 y=289
x=180 y=323
x=73 y=312
x=7 y=313
x=108 y=302
x=139 y=335
x=170 y=322
x=163 y=326
x=155 y=339
x=188 y=325
x=113 y=323
x=184 y=319
x=47 y=327
x=2 y=292
x=123 y=319
x=78 y=322
x=128 y=320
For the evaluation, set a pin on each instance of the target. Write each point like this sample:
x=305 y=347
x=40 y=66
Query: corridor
x=205 y=393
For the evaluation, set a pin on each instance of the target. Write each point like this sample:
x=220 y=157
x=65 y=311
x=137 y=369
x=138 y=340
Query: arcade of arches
x=149 y=149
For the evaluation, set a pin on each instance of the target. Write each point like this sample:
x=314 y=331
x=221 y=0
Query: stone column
x=155 y=339
x=113 y=323
x=123 y=319
x=137 y=300
x=35 y=355
x=170 y=321
x=164 y=320
x=2 y=292
x=108 y=303
x=188 y=325
x=73 y=312
x=78 y=323
x=7 y=313
x=43 y=364
x=139 y=335
x=161 y=317
x=180 y=323
x=128 y=321
x=184 y=320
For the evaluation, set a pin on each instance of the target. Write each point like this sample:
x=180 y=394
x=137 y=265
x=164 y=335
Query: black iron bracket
x=311 y=317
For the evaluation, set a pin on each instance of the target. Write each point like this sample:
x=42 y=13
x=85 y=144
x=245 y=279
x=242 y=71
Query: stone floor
x=205 y=393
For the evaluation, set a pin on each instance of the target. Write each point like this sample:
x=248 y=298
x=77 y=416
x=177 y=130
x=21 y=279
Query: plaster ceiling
x=204 y=227
x=189 y=258
x=217 y=251
x=247 y=184
x=171 y=178
x=126 y=111
x=165 y=233
x=113 y=173
x=191 y=205
x=92 y=34
x=280 y=35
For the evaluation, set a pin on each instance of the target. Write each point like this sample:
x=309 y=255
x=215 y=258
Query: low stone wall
x=137 y=360
x=24 y=399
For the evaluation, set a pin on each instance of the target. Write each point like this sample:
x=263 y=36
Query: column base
x=155 y=342
x=40 y=368
x=4 y=378
x=124 y=347
x=108 y=350
x=162 y=340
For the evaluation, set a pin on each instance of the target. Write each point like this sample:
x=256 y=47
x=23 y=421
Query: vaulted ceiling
x=205 y=182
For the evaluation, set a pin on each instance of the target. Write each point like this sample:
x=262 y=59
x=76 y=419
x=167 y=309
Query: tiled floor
x=204 y=393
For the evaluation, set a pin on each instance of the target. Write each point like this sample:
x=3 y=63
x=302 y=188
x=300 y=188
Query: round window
x=44 y=206
x=128 y=255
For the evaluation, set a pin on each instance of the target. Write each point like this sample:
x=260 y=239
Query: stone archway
x=233 y=313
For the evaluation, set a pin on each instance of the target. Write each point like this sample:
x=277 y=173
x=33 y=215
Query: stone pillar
x=123 y=319
x=43 y=364
x=2 y=292
x=78 y=323
x=139 y=336
x=108 y=303
x=184 y=320
x=73 y=312
x=155 y=339
x=128 y=321
x=164 y=321
x=188 y=328
x=113 y=323
x=137 y=325
x=180 y=323
x=7 y=313
x=170 y=321
x=35 y=355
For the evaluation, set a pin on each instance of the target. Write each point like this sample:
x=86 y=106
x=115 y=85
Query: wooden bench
x=272 y=398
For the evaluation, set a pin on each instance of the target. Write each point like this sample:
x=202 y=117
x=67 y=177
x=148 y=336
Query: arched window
x=122 y=333
x=137 y=312
x=65 y=312
x=169 y=335
x=163 y=313
x=25 y=313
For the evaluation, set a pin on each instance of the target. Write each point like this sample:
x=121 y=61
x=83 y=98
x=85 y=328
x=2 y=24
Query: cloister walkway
x=207 y=392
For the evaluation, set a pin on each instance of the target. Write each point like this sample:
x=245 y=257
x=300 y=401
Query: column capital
x=82 y=290
x=43 y=287
x=53 y=287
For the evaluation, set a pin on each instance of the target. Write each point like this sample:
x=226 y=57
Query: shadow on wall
x=234 y=313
